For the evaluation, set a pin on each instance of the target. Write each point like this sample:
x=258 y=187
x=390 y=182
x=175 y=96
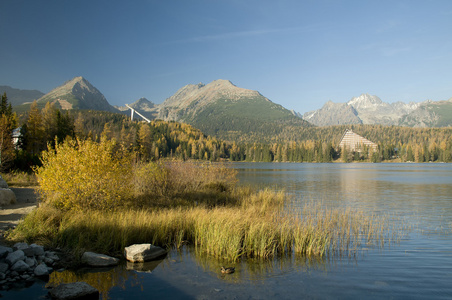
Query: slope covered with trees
x=42 y=128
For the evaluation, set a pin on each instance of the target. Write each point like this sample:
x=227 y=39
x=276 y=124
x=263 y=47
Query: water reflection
x=421 y=194
x=102 y=279
x=252 y=270
x=181 y=266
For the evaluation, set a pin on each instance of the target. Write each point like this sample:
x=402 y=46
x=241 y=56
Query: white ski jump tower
x=134 y=111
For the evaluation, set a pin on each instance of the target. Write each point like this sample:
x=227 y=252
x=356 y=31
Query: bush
x=89 y=175
x=174 y=183
x=85 y=175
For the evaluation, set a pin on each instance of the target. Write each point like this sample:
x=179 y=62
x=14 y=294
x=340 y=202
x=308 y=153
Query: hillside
x=76 y=93
x=229 y=112
x=430 y=114
x=225 y=111
x=18 y=96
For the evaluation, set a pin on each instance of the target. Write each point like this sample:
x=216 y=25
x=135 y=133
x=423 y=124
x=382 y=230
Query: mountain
x=429 y=114
x=143 y=106
x=224 y=110
x=76 y=93
x=365 y=109
x=18 y=97
x=333 y=114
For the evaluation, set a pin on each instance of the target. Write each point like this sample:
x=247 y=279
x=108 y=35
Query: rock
x=7 y=197
x=41 y=270
x=3 y=267
x=14 y=274
x=30 y=261
x=3 y=183
x=37 y=250
x=15 y=256
x=20 y=266
x=20 y=246
x=98 y=260
x=76 y=290
x=4 y=251
x=48 y=261
x=143 y=252
x=28 y=251
x=51 y=255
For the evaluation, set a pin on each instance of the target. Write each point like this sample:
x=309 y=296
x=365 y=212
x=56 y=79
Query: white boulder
x=7 y=197
x=143 y=252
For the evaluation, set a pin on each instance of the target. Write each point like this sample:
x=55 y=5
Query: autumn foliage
x=81 y=174
x=84 y=174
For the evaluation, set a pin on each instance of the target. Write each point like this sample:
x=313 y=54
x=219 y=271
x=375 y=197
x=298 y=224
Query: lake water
x=419 y=266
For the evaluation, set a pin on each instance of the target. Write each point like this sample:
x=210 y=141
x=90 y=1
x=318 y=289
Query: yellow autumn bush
x=83 y=174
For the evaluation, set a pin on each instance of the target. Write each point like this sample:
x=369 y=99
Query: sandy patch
x=10 y=215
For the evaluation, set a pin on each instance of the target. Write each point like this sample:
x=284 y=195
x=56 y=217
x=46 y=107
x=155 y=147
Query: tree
x=65 y=126
x=8 y=122
x=34 y=135
x=145 y=141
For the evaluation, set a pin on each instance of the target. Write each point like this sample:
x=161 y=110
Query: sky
x=299 y=54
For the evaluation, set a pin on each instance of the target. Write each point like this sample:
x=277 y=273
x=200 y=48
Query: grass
x=257 y=228
x=20 y=179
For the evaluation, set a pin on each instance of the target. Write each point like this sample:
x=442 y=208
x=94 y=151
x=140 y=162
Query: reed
x=226 y=233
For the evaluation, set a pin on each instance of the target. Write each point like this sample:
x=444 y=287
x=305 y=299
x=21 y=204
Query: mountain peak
x=202 y=95
x=77 y=93
x=222 y=82
x=143 y=103
x=364 y=100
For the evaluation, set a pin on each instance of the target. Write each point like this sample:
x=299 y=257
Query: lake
x=417 y=266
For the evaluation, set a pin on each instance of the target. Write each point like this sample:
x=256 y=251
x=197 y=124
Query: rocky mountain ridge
x=365 y=109
x=220 y=106
x=193 y=98
x=224 y=110
x=77 y=93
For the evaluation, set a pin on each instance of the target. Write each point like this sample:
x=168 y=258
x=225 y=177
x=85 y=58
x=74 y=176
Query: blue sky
x=296 y=53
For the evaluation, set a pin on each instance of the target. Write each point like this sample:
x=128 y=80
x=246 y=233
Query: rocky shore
x=23 y=264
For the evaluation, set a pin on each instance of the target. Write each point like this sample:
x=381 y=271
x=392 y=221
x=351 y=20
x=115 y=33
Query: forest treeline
x=22 y=139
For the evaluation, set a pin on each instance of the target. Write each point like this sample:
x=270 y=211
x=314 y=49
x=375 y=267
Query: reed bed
x=260 y=227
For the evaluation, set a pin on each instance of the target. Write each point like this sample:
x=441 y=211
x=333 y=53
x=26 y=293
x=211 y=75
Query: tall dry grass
x=20 y=179
x=224 y=232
